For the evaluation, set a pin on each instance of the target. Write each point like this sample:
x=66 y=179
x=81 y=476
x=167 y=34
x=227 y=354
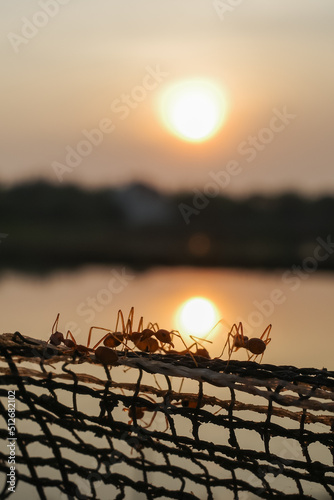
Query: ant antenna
x=223 y=322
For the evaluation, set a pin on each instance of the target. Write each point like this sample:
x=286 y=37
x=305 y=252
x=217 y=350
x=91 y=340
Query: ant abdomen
x=114 y=339
x=256 y=346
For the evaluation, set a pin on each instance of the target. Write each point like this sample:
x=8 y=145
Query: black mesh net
x=163 y=426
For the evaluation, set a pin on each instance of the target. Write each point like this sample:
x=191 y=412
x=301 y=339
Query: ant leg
x=130 y=327
x=230 y=350
x=222 y=321
x=216 y=412
x=98 y=328
x=141 y=324
x=241 y=334
x=181 y=385
x=55 y=324
x=71 y=343
x=105 y=336
x=129 y=323
x=230 y=347
x=167 y=424
x=154 y=414
x=230 y=334
x=178 y=334
x=266 y=334
x=199 y=338
x=151 y=421
x=153 y=326
x=266 y=342
x=156 y=381
x=120 y=317
x=187 y=350
x=127 y=347
x=126 y=330
x=69 y=334
x=252 y=357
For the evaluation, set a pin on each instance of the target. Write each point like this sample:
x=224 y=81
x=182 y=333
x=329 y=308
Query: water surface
x=300 y=308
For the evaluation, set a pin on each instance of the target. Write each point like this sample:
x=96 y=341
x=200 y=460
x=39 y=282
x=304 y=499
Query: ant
x=141 y=338
x=56 y=337
x=103 y=354
x=191 y=403
x=116 y=338
x=256 y=346
x=200 y=351
x=139 y=412
x=144 y=340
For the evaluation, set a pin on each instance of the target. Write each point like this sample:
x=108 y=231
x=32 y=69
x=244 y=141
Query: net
x=163 y=426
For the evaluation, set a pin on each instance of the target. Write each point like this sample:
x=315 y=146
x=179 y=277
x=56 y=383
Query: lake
x=298 y=307
x=299 y=304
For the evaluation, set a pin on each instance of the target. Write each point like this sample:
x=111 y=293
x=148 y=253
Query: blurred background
x=158 y=153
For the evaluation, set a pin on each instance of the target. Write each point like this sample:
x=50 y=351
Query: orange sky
x=70 y=67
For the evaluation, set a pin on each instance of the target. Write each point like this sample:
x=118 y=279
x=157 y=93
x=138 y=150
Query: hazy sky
x=70 y=66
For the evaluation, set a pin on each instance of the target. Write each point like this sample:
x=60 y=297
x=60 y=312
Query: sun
x=193 y=110
x=197 y=316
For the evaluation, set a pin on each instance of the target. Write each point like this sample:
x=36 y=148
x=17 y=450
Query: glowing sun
x=197 y=316
x=193 y=110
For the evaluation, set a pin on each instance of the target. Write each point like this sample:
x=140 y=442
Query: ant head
x=164 y=336
x=57 y=338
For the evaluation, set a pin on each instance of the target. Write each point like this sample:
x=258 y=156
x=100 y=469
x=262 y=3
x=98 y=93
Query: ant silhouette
x=200 y=349
x=236 y=340
x=104 y=355
x=142 y=338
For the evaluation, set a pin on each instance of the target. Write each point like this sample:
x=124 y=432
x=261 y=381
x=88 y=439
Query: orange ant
x=138 y=412
x=116 y=338
x=142 y=338
x=56 y=337
x=200 y=351
x=103 y=354
x=256 y=346
x=191 y=403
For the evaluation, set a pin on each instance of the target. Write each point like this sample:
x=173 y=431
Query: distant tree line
x=47 y=226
